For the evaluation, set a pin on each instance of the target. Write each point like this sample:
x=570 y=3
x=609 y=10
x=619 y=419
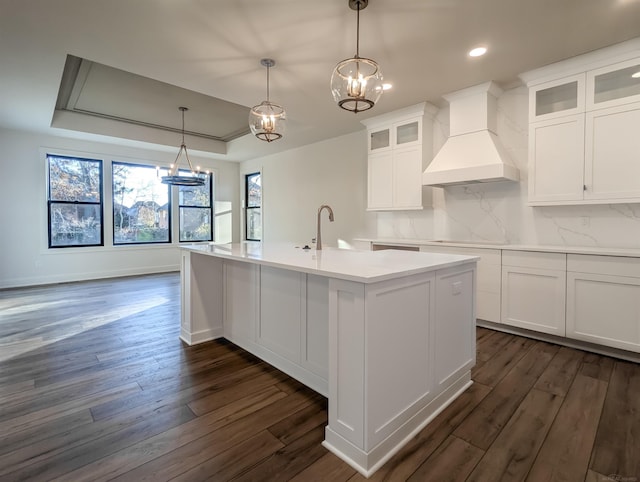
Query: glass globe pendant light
x=174 y=177
x=267 y=120
x=356 y=83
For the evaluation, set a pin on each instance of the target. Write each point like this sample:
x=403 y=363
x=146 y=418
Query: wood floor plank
x=559 y=375
x=46 y=414
x=221 y=435
x=617 y=446
x=454 y=460
x=229 y=463
x=328 y=467
x=502 y=362
x=484 y=424
x=289 y=460
x=511 y=455
x=77 y=457
x=301 y=422
x=420 y=447
x=37 y=433
x=565 y=454
x=597 y=366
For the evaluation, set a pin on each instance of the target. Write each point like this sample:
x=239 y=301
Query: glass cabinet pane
x=407 y=133
x=557 y=98
x=379 y=139
x=617 y=84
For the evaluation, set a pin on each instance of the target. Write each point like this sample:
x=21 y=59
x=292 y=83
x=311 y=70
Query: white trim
x=86 y=276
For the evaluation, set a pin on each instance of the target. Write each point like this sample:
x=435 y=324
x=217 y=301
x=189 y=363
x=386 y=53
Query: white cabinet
x=533 y=290
x=583 y=142
x=603 y=300
x=556 y=147
x=399 y=147
x=488 y=278
x=612 y=163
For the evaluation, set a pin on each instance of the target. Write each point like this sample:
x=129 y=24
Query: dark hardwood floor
x=95 y=385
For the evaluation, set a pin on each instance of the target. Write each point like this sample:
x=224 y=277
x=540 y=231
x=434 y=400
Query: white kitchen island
x=387 y=336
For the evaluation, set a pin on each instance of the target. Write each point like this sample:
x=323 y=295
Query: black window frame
x=248 y=207
x=50 y=201
x=210 y=207
x=113 y=207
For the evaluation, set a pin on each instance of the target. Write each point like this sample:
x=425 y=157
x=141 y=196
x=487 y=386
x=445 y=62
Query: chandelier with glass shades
x=356 y=83
x=174 y=176
x=267 y=120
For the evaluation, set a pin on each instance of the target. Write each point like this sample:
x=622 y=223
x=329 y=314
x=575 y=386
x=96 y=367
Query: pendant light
x=356 y=83
x=174 y=177
x=267 y=120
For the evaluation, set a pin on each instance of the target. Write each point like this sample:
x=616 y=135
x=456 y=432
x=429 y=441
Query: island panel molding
x=388 y=337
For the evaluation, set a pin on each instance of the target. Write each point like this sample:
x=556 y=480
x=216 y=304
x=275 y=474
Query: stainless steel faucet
x=319 y=231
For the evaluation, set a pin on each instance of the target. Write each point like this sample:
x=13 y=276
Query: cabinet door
x=379 y=140
x=604 y=309
x=556 y=160
x=534 y=299
x=558 y=98
x=407 y=178
x=407 y=133
x=281 y=312
x=612 y=161
x=379 y=177
x=488 y=279
x=613 y=85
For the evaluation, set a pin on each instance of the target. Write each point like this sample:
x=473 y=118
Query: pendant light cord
x=182 y=109
x=268 y=67
x=358 y=31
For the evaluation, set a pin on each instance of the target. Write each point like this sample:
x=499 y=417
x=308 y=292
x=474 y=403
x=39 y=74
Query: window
x=74 y=202
x=253 y=203
x=195 y=211
x=141 y=207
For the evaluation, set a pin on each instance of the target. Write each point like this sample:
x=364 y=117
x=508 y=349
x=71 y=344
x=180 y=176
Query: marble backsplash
x=498 y=212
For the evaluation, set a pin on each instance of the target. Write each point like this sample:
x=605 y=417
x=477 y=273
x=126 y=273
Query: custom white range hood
x=472 y=153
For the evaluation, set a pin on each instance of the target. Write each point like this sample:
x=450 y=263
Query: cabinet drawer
x=606 y=265
x=534 y=259
x=487 y=255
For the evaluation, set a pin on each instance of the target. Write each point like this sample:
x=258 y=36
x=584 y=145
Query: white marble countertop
x=347 y=264
x=593 y=250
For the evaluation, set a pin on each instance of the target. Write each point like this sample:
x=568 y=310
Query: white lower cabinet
x=603 y=300
x=488 y=278
x=533 y=290
x=281 y=316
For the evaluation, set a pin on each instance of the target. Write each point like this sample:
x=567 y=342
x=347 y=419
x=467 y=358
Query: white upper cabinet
x=399 y=146
x=583 y=129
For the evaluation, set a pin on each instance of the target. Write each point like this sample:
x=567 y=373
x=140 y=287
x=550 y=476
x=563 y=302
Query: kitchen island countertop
x=346 y=264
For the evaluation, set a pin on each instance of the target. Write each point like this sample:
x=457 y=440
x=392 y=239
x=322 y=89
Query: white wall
x=297 y=182
x=24 y=257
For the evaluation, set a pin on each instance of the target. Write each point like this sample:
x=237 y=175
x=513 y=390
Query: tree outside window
x=74 y=202
x=196 y=213
x=141 y=206
x=253 y=210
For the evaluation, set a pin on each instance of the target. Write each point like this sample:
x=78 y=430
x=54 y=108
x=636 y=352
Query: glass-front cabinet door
x=614 y=85
x=380 y=140
x=557 y=98
x=407 y=133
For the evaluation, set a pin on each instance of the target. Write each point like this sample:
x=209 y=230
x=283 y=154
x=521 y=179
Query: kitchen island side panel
x=202 y=288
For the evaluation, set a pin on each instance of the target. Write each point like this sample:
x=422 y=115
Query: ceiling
x=212 y=48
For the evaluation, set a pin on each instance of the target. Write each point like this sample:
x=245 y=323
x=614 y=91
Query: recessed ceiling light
x=636 y=75
x=477 y=52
